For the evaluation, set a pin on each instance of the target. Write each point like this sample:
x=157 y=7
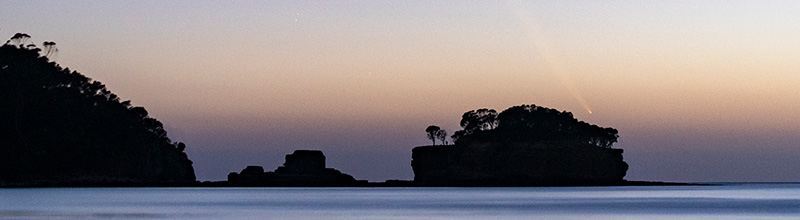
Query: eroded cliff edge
x=545 y=163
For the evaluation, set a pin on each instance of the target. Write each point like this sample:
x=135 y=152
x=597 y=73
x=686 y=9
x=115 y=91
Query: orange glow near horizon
x=369 y=76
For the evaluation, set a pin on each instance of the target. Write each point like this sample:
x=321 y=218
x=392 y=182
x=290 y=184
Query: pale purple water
x=729 y=201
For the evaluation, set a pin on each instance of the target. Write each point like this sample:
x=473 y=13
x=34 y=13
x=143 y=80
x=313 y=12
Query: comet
x=542 y=46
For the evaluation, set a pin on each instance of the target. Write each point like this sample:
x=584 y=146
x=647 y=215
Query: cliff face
x=302 y=168
x=542 y=163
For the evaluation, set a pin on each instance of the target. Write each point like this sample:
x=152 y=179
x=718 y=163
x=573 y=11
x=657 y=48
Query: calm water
x=730 y=201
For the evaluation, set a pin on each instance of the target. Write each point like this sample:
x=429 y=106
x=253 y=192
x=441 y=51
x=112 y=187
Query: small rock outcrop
x=302 y=168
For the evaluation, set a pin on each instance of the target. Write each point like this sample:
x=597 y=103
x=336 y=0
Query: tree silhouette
x=441 y=135
x=457 y=135
x=533 y=123
x=18 y=40
x=479 y=120
x=49 y=48
x=433 y=133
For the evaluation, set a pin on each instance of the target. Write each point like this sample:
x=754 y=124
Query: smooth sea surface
x=726 y=201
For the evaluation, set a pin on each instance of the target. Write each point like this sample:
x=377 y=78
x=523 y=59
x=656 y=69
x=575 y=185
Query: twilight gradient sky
x=699 y=90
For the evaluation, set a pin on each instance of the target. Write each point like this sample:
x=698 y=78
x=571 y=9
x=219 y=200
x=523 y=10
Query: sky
x=701 y=91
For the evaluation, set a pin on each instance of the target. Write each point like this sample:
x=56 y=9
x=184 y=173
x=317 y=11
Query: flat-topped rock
x=303 y=162
x=302 y=168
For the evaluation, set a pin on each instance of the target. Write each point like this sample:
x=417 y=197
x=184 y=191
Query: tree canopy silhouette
x=433 y=133
x=18 y=40
x=61 y=127
x=442 y=136
x=476 y=121
x=532 y=123
x=49 y=48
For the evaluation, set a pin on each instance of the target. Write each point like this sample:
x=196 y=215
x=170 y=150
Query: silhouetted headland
x=304 y=168
x=60 y=128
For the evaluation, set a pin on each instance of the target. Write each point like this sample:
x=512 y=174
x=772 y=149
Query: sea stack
x=302 y=168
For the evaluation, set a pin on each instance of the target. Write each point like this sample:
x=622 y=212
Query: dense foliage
x=532 y=123
x=58 y=126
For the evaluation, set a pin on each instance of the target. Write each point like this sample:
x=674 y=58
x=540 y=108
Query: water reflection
x=731 y=201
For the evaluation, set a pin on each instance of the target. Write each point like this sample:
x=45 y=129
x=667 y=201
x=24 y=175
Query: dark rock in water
x=252 y=170
x=250 y=175
x=303 y=161
x=302 y=168
x=542 y=163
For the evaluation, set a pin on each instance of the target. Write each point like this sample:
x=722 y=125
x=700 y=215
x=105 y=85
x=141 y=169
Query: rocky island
x=525 y=145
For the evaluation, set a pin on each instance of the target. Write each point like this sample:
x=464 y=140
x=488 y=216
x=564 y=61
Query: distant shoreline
x=386 y=184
